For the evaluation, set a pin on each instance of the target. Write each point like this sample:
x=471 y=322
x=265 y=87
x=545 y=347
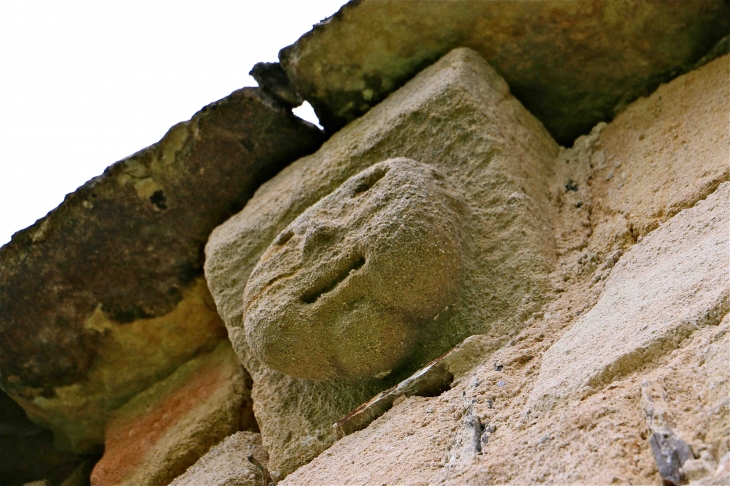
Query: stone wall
x=436 y=291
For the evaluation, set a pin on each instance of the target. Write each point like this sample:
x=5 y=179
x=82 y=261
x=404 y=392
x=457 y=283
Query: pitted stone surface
x=458 y=117
x=344 y=289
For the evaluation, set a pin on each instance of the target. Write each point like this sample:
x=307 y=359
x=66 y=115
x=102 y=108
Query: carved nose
x=320 y=236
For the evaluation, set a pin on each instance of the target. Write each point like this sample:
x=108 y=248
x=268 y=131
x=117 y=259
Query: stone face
x=458 y=118
x=227 y=463
x=89 y=294
x=159 y=433
x=570 y=63
x=342 y=291
x=667 y=286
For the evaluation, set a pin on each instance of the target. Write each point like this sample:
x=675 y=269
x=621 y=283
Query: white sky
x=86 y=83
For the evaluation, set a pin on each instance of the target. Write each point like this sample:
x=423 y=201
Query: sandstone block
x=158 y=434
x=105 y=295
x=662 y=154
x=570 y=63
x=227 y=464
x=664 y=288
x=458 y=118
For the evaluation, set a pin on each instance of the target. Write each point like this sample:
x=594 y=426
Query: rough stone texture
x=664 y=288
x=89 y=292
x=133 y=356
x=467 y=355
x=227 y=464
x=344 y=289
x=159 y=433
x=458 y=117
x=661 y=155
x=602 y=438
x=670 y=452
x=569 y=63
x=721 y=475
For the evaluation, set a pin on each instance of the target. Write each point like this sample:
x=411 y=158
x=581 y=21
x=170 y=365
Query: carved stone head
x=344 y=289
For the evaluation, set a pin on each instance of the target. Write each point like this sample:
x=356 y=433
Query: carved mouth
x=266 y=287
x=312 y=295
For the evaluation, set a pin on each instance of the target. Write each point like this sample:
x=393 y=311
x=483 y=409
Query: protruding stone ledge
x=569 y=63
x=105 y=295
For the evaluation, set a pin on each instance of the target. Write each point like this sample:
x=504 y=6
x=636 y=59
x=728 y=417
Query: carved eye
x=369 y=181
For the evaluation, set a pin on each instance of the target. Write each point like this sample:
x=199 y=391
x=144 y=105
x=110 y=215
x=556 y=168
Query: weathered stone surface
x=105 y=295
x=721 y=475
x=663 y=289
x=661 y=155
x=694 y=470
x=469 y=354
x=132 y=356
x=570 y=63
x=670 y=453
x=342 y=291
x=458 y=117
x=227 y=463
x=586 y=441
x=159 y=433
